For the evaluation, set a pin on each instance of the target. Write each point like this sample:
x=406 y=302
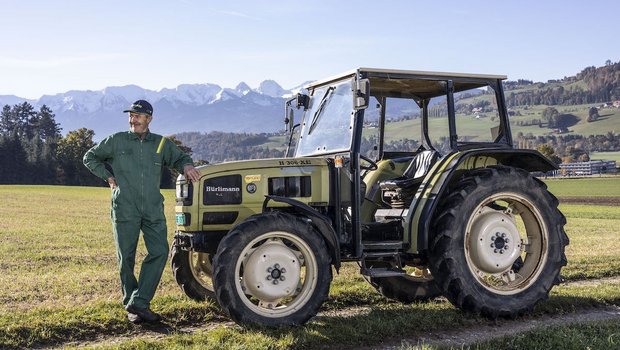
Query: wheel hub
x=494 y=240
x=271 y=272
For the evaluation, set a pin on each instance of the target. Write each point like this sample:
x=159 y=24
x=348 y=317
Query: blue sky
x=48 y=47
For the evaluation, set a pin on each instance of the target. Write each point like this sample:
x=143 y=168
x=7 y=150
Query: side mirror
x=361 y=94
x=303 y=101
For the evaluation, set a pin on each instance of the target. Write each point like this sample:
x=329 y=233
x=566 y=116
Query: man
x=136 y=158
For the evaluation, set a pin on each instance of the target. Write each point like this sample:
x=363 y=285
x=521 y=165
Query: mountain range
x=188 y=107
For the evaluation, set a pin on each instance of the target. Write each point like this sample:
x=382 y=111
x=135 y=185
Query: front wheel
x=272 y=269
x=499 y=242
x=193 y=272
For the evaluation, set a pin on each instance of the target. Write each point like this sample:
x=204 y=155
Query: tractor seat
x=414 y=174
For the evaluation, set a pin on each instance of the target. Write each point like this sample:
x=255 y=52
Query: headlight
x=184 y=191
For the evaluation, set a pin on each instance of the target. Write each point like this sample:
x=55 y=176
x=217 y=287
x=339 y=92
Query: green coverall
x=137 y=204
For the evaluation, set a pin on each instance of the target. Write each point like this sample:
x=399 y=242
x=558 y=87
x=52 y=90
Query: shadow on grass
x=377 y=321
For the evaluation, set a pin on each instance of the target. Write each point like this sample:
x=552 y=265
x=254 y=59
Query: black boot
x=144 y=313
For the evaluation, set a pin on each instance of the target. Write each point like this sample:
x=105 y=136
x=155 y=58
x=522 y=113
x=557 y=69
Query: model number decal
x=295 y=162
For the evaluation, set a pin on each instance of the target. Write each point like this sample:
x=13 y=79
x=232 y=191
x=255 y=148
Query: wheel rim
x=506 y=243
x=202 y=268
x=276 y=274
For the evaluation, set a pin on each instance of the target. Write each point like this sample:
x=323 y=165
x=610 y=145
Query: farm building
x=591 y=167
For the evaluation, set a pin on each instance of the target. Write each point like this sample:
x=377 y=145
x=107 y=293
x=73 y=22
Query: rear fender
x=431 y=190
x=320 y=221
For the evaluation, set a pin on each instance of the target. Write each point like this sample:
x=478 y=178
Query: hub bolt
x=275 y=282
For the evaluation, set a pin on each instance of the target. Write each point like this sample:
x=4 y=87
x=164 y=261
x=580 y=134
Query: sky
x=49 y=47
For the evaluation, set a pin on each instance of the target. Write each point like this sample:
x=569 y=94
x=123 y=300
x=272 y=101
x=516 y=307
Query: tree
x=550 y=114
x=584 y=157
x=592 y=114
x=70 y=152
x=7 y=122
x=549 y=152
x=25 y=119
x=46 y=124
x=14 y=167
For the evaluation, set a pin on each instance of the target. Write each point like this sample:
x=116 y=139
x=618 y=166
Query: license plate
x=180 y=218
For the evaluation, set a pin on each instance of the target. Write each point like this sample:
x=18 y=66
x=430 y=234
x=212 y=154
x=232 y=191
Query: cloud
x=55 y=62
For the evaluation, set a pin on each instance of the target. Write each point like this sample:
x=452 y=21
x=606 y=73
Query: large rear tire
x=499 y=242
x=193 y=273
x=272 y=269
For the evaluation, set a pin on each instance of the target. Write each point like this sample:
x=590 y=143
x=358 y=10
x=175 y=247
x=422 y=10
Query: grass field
x=58 y=280
x=606 y=156
x=585 y=187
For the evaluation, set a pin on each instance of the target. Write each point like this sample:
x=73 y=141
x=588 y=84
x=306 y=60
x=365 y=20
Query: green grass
x=607 y=156
x=585 y=187
x=469 y=125
x=594 y=249
x=379 y=322
x=59 y=281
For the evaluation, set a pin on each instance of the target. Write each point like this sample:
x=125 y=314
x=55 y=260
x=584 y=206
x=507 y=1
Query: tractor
x=411 y=174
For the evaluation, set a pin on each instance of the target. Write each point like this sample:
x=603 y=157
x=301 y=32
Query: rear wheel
x=193 y=273
x=499 y=242
x=272 y=269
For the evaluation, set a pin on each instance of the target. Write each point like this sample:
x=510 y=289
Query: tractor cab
x=384 y=131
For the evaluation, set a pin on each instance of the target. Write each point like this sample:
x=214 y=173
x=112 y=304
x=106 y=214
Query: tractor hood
x=258 y=164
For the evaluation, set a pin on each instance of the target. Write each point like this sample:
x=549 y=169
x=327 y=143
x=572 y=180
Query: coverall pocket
x=125 y=158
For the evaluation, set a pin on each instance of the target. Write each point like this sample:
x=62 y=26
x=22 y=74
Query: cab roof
x=403 y=74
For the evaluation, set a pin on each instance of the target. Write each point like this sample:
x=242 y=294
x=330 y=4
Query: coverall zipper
x=141 y=178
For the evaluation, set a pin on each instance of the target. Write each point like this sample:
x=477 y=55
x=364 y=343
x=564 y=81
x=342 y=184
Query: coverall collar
x=148 y=137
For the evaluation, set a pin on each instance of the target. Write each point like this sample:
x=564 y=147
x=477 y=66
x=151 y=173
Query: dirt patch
x=499 y=328
x=612 y=201
x=144 y=332
x=592 y=283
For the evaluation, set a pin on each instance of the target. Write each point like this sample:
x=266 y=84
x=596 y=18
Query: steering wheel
x=372 y=167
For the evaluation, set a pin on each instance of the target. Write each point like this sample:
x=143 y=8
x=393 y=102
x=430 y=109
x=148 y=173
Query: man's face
x=139 y=122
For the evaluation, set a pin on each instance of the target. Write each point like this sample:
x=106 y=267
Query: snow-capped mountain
x=188 y=107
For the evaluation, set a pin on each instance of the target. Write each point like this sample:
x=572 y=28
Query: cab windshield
x=327 y=126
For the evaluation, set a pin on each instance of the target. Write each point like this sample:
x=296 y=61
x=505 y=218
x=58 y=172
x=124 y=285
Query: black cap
x=140 y=106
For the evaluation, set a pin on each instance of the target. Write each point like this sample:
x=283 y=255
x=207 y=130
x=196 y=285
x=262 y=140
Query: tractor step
x=378 y=272
x=382 y=245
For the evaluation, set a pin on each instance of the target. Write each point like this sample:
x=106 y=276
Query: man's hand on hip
x=112 y=182
x=191 y=173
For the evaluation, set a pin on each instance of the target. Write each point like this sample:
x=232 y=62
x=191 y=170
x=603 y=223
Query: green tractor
x=411 y=174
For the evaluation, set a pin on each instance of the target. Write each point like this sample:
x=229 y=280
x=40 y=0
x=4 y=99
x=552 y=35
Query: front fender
x=320 y=221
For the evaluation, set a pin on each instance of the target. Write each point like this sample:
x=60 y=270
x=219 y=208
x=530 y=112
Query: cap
x=140 y=106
